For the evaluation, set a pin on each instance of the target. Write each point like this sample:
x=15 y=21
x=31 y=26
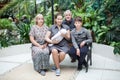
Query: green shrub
x=5 y=24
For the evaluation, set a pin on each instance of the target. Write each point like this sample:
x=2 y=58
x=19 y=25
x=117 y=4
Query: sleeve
x=74 y=41
x=66 y=27
x=89 y=37
x=32 y=32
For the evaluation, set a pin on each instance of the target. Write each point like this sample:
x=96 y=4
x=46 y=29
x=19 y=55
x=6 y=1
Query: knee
x=54 y=51
x=72 y=50
x=62 y=54
x=84 y=49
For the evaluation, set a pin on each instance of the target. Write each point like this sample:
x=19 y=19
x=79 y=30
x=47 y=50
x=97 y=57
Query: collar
x=57 y=27
x=80 y=31
x=69 y=21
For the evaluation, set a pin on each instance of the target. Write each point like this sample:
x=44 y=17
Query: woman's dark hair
x=57 y=15
x=78 y=18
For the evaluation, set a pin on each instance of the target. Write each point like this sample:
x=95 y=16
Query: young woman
x=80 y=38
x=40 y=51
x=58 y=49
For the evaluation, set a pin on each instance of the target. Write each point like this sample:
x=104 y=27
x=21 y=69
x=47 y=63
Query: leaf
x=116 y=50
x=101 y=34
x=87 y=24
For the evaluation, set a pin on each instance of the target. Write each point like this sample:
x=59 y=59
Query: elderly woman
x=40 y=51
x=59 y=48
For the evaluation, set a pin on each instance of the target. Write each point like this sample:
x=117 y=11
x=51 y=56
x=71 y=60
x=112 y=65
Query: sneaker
x=42 y=72
x=54 y=68
x=57 y=72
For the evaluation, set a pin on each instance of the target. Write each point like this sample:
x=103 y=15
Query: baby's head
x=64 y=31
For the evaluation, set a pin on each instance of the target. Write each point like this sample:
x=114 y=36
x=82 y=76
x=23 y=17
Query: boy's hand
x=82 y=44
x=78 y=52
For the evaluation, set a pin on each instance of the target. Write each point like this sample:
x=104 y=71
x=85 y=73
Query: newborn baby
x=58 y=36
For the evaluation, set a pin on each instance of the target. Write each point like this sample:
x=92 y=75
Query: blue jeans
x=83 y=52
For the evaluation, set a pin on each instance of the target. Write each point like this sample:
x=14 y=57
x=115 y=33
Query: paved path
x=19 y=67
x=102 y=69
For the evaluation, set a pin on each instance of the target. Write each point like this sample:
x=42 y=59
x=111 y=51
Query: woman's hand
x=63 y=35
x=41 y=46
x=78 y=52
x=45 y=45
x=54 y=41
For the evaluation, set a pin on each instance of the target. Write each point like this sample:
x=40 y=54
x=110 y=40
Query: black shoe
x=45 y=70
x=73 y=60
x=86 y=66
x=79 y=68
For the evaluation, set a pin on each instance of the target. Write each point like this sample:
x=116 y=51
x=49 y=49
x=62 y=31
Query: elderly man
x=68 y=19
x=70 y=22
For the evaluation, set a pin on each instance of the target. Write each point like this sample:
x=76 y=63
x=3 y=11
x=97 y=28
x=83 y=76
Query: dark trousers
x=83 y=52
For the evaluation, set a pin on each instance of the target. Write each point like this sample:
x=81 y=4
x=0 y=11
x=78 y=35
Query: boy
x=80 y=38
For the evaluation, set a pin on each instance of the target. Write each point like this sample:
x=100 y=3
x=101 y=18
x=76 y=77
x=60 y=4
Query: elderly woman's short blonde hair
x=67 y=12
x=37 y=17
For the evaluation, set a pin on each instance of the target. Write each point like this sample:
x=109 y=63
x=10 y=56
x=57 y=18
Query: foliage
x=48 y=19
x=100 y=16
x=66 y=4
x=4 y=40
x=104 y=23
x=117 y=48
x=9 y=35
x=23 y=30
x=5 y=24
x=7 y=9
x=24 y=8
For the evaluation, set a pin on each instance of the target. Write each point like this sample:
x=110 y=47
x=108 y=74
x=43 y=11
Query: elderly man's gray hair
x=67 y=12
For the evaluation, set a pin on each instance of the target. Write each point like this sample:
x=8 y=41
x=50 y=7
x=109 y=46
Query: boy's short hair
x=78 y=18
